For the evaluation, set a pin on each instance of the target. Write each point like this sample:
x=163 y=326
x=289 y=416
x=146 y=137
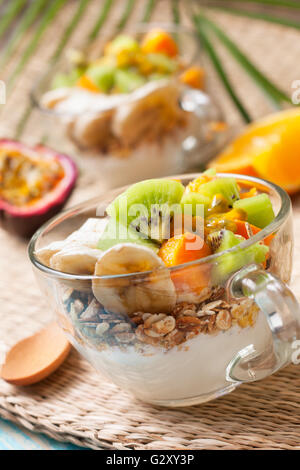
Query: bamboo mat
x=78 y=405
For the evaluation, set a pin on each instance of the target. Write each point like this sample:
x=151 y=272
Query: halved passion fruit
x=35 y=183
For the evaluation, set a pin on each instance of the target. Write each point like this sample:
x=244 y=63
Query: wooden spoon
x=33 y=359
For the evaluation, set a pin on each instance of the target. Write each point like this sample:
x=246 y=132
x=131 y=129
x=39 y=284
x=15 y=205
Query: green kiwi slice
x=122 y=43
x=128 y=80
x=193 y=202
x=229 y=263
x=258 y=208
x=148 y=207
x=116 y=233
x=102 y=75
x=226 y=186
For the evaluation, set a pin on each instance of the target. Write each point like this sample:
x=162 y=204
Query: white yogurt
x=195 y=369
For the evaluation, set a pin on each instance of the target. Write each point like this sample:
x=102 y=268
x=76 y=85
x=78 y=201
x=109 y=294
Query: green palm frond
x=100 y=20
x=30 y=15
x=175 y=11
x=47 y=18
x=260 y=16
x=9 y=15
x=83 y=4
x=150 y=5
x=216 y=61
x=274 y=3
x=126 y=14
x=57 y=53
x=276 y=95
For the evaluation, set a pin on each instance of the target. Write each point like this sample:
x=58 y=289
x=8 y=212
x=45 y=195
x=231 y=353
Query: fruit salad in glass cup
x=135 y=108
x=175 y=288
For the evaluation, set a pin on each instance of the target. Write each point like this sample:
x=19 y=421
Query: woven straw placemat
x=78 y=405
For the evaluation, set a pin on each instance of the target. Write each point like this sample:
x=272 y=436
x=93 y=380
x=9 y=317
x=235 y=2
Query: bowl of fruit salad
x=134 y=108
x=175 y=288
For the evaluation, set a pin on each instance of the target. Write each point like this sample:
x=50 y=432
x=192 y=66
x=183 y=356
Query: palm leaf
x=278 y=3
x=126 y=14
x=220 y=70
x=65 y=37
x=150 y=5
x=48 y=17
x=70 y=28
x=100 y=20
x=175 y=11
x=11 y=12
x=270 y=89
x=26 y=21
x=259 y=16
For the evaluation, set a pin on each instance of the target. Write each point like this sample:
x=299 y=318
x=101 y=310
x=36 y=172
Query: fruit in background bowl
x=133 y=83
x=35 y=183
x=268 y=148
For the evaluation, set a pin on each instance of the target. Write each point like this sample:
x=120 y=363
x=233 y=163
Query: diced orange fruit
x=193 y=77
x=194 y=185
x=159 y=41
x=241 y=229
x=183 y=249
x=86 y=82
x=252 y=192
x=269 y=148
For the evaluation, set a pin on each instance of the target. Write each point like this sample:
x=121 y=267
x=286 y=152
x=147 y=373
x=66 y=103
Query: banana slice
x=152 y=293
x=53 y=97
x=152 y=110
x=92 y=129
x=86 y=236
x=76 y=260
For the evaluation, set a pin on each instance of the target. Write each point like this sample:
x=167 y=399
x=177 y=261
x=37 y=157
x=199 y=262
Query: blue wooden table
x=15 y=437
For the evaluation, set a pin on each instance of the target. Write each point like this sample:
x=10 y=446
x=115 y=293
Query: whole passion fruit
x=35 y=183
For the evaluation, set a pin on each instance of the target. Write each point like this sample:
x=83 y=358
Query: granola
x=101 y=328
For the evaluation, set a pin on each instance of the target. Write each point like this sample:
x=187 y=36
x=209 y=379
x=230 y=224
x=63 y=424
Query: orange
x=86 y=82
x=268 y=148
x=158 y=40
x=193 y=77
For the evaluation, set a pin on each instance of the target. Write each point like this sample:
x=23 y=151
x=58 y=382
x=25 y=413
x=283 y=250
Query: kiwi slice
x=226 y=186
x=102 y=75
x=122 y=43
x=190 y=201
x=148 y=207
x=128 y=80
x=115 y=233
x=162 y=63
x=258 y=208
x=62 y=80
x=229 y=263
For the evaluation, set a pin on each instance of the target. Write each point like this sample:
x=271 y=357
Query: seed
x=165 y=326
x=121 y=328
x=189 y=313
x=153 y=319
x=102 y=328
x=125 y=337
x=223 y=320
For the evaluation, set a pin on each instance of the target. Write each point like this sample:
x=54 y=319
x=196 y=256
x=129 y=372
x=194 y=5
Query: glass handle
x=282 y=311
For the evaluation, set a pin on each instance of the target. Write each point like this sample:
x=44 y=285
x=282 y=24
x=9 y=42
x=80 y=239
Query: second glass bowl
x=181 y=149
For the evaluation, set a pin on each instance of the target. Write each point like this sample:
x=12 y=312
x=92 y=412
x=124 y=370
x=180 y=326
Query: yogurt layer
x=195 y=368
